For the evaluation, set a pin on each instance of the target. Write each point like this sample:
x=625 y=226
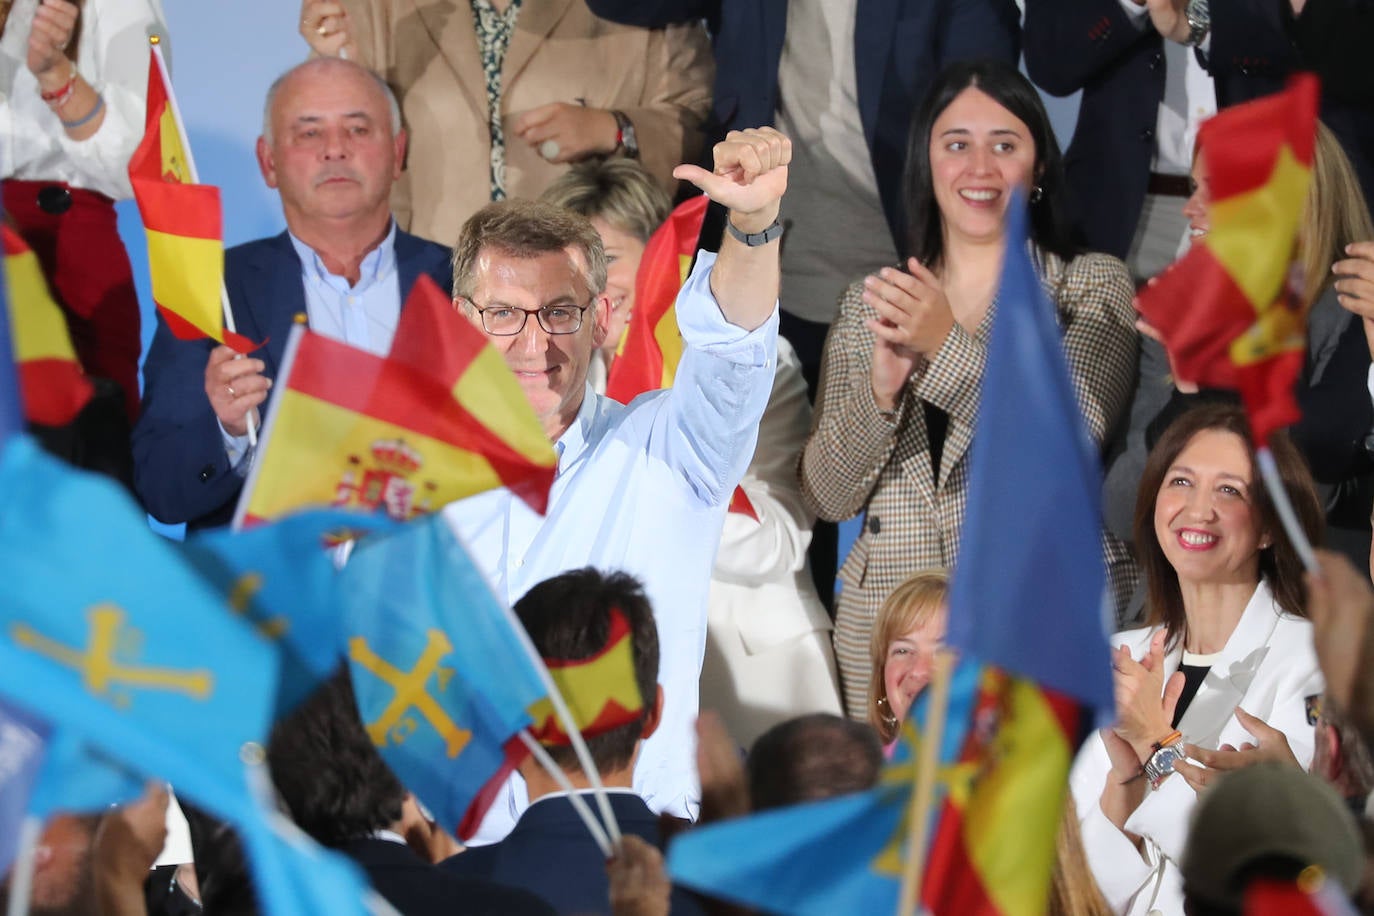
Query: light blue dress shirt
x=363 y=315
x=642 y=488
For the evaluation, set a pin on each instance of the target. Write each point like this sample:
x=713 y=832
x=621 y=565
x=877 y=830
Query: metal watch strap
x=626 y=141
x=755 y=239
x=1199 y=16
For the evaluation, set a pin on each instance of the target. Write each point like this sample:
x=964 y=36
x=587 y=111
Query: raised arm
x=749 y=179
x=1068 y=42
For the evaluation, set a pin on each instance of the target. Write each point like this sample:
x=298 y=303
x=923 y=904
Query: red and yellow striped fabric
x=994 y=848
x=182 y=221
x=1230 y=310
x=600 y=691
x=440 y=419
x=51 y=379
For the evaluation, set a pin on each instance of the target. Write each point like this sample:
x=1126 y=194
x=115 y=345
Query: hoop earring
x=1037 y=194
x=885 y=713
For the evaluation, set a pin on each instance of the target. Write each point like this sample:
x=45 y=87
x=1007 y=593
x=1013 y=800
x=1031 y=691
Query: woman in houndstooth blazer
x=904 y=360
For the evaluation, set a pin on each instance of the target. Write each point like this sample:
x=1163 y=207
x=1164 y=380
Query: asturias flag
x=440 y=419
x=131 y=652
x=182 y=219
x=444 y=675
x=53 y=384
x=1229 y=316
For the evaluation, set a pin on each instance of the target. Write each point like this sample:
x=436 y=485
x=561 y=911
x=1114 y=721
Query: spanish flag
x=54 y=386
x=648 y=354
x=600 y=691
x=182 y=219
x=441 y=418
x=1230 y=310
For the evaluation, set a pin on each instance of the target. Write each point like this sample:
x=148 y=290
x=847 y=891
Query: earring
x=1037 y=194
x=885 y=711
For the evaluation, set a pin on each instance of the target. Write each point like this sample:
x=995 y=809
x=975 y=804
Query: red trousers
x=88 y=271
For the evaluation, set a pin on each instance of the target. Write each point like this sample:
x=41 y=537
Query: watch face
x=1166 y=758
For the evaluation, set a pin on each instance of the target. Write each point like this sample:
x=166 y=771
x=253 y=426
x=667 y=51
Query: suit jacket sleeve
x=1336 y=410
x=1094 y=301
x=1333 y=38
x=850 y=440
x=677 y=98
x=1069 y=42
x=1248 y=39
x=181 y=470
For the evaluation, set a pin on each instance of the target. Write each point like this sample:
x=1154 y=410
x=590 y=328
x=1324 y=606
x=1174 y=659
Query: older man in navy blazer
x=332 y=146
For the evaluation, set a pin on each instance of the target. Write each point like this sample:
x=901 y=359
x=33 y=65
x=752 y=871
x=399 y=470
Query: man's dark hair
x=813 y=757
x=568 y=618
x=334 y=783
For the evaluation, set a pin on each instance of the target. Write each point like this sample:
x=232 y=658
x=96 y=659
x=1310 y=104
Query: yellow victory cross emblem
x=411 y=693
x=99 y=666
x=241 y=596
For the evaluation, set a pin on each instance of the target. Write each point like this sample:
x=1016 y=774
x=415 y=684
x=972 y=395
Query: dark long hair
x=1279 y=563
x=1049 y=227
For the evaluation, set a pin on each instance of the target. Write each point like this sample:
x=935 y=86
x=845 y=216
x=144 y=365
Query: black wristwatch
x=625 y=140
x=755 y=239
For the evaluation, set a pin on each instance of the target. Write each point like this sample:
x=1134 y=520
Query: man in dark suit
x=550 y=851
x=332 y=146
x=338 y=789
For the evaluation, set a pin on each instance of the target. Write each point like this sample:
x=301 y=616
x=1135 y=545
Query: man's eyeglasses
x=507 y=321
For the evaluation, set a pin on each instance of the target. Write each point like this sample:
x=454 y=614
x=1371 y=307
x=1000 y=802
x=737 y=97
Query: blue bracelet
x=95 y=110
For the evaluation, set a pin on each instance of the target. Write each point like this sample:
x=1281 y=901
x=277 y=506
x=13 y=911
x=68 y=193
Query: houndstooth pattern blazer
x=857 y=460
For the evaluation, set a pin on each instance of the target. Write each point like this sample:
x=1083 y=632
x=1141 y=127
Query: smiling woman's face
x=907 y=668
x=1196 y=208
x=979 y=153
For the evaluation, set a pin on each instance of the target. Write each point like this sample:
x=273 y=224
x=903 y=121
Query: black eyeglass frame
x=525 y=317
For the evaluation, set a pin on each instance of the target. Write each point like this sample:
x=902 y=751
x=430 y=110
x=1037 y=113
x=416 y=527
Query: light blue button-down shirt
x=363 y=315
x=642 y=488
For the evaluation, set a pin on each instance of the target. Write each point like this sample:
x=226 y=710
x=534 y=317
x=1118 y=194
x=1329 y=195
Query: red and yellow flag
x=648 y=355
x=53 y=384
x=600 y=691
x=1012 y=770
x=182 y=219
x=440 y=419
x=1230 y=310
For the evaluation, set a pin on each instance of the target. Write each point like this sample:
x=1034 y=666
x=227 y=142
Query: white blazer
x=1268 y=668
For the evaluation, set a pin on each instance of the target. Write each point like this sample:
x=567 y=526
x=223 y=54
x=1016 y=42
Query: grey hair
x=527 y=229
x=393 y=107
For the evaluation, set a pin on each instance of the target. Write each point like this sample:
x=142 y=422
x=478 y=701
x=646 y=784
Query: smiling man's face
x=551 y=368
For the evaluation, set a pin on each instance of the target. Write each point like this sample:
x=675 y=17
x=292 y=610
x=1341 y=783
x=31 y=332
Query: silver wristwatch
x=1161 y=762
x=1199 y=16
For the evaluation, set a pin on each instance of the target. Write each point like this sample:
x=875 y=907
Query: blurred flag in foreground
x=439 y=419
x=1230 y=309
x=53 y=384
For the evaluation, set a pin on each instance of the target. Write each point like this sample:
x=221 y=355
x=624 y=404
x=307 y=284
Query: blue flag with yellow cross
x=444 y=675
x=124 y=647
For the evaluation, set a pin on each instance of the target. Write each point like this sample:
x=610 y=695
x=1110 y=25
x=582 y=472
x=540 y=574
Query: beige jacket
x=427 y=50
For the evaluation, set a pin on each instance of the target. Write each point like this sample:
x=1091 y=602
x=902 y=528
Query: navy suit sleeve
x=980 y=28
x=1334 y=38
x=655 y=14
x=1069 y=42
x=181 y=471
x=1249 y=40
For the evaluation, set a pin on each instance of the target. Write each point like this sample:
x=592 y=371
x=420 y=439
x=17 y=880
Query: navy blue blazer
x=551 y=854
x=417 y=888
x=1093 y=46
x=899 y=48
x=181 y=472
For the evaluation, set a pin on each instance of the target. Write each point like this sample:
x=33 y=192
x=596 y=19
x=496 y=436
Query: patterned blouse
x=493 y=39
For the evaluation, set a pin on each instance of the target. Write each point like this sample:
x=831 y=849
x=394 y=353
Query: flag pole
x=559 y=776
x=1273 y=482
x=21 y=875
x=155 y=42
x=923 y=797
x=293 y=342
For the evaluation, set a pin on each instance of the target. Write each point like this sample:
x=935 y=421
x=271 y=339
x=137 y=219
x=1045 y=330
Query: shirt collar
x=377 y=263
x=574 y=438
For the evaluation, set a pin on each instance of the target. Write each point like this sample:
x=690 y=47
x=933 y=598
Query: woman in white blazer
x=1226 y=608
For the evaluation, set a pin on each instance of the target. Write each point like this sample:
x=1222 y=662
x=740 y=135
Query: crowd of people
x=860 y=160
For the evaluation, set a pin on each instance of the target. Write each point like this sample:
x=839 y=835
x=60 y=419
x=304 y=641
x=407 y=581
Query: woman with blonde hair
x=909 y=629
